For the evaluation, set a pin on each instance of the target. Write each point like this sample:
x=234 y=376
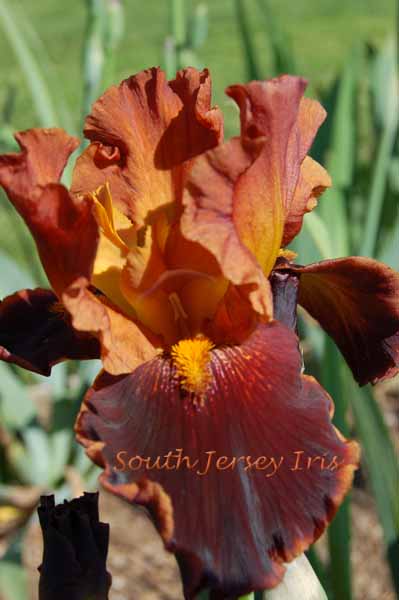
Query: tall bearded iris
x=167 y=259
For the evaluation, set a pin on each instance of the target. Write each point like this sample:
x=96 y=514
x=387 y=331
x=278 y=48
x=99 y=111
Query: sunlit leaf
x=13 y=581
x=16 y=405
x=382 y=467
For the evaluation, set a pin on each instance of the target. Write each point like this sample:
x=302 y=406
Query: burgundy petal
x=35 y=332
x=231 y=528
x=356 y=300
x=75 y=547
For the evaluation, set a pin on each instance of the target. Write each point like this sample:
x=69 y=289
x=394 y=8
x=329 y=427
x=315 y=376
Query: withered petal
x=35 y=332
x=64 y=228
x=231 y=528
x=356 y=300
x=141 y=133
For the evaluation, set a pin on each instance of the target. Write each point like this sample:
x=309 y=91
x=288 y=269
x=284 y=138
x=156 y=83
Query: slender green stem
x=253 y=71
x=175 y=44
x=178 y=22
x=339 y=532
x=93 y=53
x=114 y=30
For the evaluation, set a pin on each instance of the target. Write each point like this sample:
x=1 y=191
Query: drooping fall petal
x=36 y=333
x=64 y=228
x=124 y=346
x=231 y=521
x=140 y=132
x=356 y=300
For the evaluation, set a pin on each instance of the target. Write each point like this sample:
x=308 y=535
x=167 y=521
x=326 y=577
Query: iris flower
x=167 y=258
x=75 y=547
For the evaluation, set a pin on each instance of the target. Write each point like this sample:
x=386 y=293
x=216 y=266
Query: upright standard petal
x=140 y=132
x=313 y=181
x=275 y=110
x=237 y=481
x=36 y=333
x=64 y=228
x=211 y=202
x=269 y=111
x=356 y=300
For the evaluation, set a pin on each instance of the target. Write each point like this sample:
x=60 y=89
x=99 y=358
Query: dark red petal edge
x=356 y=300
x=35 y=332
x=231 y=530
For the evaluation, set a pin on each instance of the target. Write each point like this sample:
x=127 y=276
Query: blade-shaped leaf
x=280 y=42
x=382 y=467
x=339 y=153
x=13 y=581
x=251 y=62
x=339 y=532
x=16 y=406
x=35 y=78
x=13 y=277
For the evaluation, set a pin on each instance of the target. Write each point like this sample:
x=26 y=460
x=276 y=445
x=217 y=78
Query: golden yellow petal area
x=117 y=234
x=200 y=298
x=287 y=254
x=144 y=267
x=145 y=272
x=191 y=358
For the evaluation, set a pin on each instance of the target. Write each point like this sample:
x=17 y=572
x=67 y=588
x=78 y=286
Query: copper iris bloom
x=167 y=259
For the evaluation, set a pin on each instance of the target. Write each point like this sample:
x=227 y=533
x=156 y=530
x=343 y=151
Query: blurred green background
x=56 y=58
x=322 y=32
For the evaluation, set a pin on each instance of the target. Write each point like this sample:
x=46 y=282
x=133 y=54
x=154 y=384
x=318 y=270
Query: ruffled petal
x=44 y=155
x=210 y=202
x=35 y=332
x=231 y=523
x=141 y=132
x=313 y=181
x=124 y=345
x=64 y=228
x=275 y=109
x=356 y=300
